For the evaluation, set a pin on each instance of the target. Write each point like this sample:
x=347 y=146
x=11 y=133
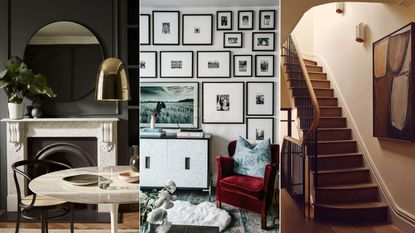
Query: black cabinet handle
x=187 y=163
x=147 y=163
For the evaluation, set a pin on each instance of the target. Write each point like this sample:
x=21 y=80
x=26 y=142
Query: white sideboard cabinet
x=183 y=160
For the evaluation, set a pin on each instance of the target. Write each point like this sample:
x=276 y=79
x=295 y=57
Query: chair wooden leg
x=218 y=204
x=73 y=219
x=264 y=222
x=19 y=216
x=42 y=223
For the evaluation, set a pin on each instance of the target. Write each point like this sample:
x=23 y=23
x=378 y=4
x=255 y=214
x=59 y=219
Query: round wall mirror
x=69 y=55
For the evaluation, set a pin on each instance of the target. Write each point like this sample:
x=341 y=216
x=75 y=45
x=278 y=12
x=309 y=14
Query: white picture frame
x=166 y=27
x=263 y=41
x=176 y=64
x=148 y=64
x=145 y=29
x=260 y=98
x=259 y=129
x=223 y=102
x=197 y=29
x=264 y=65
x=213 y=64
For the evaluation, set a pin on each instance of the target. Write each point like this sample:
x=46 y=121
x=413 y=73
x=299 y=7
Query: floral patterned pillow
x=251 y=159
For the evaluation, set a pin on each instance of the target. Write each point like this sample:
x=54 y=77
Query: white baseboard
x=396 y=209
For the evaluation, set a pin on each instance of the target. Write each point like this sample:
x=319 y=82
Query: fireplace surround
x=20 y=132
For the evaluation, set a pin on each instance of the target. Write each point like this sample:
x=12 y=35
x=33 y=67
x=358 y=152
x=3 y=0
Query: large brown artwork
x=393 y=91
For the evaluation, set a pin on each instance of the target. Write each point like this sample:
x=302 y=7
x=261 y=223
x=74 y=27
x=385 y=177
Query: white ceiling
x=208 y=3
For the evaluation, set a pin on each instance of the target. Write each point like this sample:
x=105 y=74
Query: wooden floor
x=293 y=222
x=130 y=221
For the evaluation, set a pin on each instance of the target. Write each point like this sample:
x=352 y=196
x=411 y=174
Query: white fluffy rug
x=203 y=214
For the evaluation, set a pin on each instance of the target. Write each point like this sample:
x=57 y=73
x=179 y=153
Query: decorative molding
x=16 y=136
x=397 y=210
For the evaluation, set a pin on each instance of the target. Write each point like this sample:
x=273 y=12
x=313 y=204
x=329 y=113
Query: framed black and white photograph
x=232 y=39
x=224 y=20
x=176 y=64
x=176 y=104
x=223 y=102
x=267 y=19
x=260 y=98
x=197 y=29
x=264 y=65
x=263 y=41
x=245 y=20
x=148 y=64
x=144 y=29
x=213 y=64
x=166 y=27
x=259 y=129
x=242 y=65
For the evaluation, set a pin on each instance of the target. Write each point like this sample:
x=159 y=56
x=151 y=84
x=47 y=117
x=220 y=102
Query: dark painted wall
x=26 y=17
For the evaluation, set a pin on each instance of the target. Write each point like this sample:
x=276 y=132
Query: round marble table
x=52 y=185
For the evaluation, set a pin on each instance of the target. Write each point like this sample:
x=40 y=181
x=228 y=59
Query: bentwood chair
x=35 y=207
x=247 y=192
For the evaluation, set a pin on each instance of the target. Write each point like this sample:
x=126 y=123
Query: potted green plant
x=18 y=82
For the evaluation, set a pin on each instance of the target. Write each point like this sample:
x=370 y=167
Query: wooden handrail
x=316 y=109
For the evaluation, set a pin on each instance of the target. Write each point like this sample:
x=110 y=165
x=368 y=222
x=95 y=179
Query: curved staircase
x=344 y=191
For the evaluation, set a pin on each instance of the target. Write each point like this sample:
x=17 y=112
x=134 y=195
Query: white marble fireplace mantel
x=18 y=131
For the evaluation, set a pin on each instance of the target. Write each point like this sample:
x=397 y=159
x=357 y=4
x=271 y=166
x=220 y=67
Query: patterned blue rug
x=242 y=221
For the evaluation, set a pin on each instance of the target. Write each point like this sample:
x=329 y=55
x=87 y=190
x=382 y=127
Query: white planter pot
x=16 y=110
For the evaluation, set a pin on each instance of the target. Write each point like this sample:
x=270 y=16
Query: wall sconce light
x=339 y=7
x=360 y=33
x=112 y=81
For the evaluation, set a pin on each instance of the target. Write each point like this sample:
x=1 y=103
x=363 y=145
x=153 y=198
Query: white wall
x=350 y=64
x=222 y=133
x=304 y=33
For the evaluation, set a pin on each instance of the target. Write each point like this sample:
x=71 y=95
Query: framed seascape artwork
x=263 y=41
x=260 y=129
x=144 y=29
x=393 y=85
x=148 y=64
x=176 y=64
x=267 y=19
x=242 y=65
x=224 y=20
x=175 y=103
x=245 y=20
x=232 y=40
x=166 y=27
x=260 y=98
x=197 y=29
x=223 y=102
x=213 y=64
x=264 y=65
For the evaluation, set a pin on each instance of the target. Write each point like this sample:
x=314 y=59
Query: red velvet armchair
x=247 y=192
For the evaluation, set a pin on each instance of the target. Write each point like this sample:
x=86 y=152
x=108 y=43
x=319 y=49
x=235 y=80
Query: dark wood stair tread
x=342 y=170
x=333 y=129
x=340 y=155
x=335 y=141
x=364 y=205
x=348 y=186
x=305 y=65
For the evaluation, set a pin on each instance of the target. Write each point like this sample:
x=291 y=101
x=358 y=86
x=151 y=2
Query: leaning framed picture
x=260 y=98
x=148 y=64
x=176 y=104
x=264 y=65
x=176 y=64
x=242 y=65
x=213 y=64
x=224 y=20
x=393 y=85
x=267 y=19
x=260 y=128
x=263 y=41
x=233 y=40
x=223 y=102
x=197 y=29
x=245 y=20
x=166 y=27
x=144 y=29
